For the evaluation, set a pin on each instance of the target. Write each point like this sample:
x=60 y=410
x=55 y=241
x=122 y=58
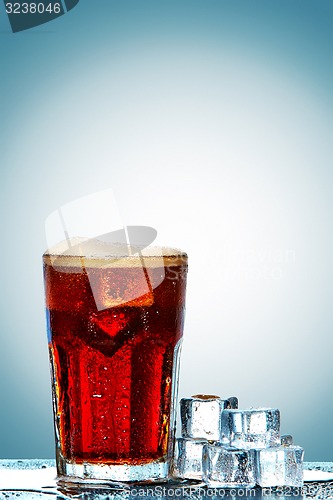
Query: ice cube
x=232 y=403
x=253 y=428
x=107 y=331
x=226 y=467
x=188 y=458
x=201 y=416
x=287 y=440
x=120 y=282
x=280 y=466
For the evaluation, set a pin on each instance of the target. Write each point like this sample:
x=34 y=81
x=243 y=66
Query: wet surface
x=36 y=479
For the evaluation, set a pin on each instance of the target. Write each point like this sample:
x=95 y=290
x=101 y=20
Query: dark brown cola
x=113 y=364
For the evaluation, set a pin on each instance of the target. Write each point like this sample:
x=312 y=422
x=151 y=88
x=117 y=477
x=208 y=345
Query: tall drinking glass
x=115 y=326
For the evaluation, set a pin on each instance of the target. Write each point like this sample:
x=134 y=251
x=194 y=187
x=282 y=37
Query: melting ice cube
x=201 y=416
x=280 y=466
x=188 y=458
x=228 y=467
x=253 y=428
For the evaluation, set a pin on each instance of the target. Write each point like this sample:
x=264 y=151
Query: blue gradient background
x=212 y=122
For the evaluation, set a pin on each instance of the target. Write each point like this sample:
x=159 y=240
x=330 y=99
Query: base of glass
x=90 y=475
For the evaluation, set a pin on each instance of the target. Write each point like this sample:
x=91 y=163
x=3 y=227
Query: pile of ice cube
x=228 y=447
